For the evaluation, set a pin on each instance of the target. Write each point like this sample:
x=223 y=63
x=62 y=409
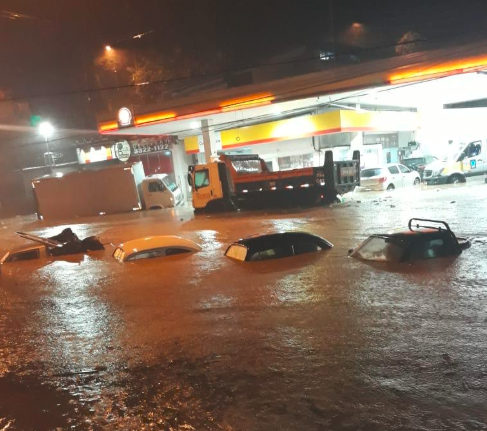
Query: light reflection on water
x=314 y=342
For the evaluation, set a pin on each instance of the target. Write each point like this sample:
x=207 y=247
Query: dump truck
x=244 y=182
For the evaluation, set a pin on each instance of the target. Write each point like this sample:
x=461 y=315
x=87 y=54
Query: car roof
x=408 y=232
x=261 y=240
x=21 y=249
x=159 y=241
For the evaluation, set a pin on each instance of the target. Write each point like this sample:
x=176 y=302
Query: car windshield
x=413 y=161
x=381 y=249
x=170 y=184
x=368 y=173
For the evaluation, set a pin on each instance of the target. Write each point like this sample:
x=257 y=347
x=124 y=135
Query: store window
x=295 y=162
x=387 y=140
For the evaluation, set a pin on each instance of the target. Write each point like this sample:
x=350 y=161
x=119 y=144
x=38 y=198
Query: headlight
x=438 y=172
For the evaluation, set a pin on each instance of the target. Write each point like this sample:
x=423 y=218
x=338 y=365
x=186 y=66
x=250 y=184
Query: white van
x=470 y=159
x=160 y=191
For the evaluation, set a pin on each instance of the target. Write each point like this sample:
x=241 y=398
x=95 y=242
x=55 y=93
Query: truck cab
x=160 y=191
x=469 y=160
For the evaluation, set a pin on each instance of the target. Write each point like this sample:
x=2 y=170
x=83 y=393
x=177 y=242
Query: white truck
x=470 y=159
x=110 y=190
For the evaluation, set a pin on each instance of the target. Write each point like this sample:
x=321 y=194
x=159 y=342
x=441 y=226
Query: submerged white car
x=154 y=246
x=388 y=177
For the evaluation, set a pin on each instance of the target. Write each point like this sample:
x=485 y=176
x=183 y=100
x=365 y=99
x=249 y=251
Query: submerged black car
x=425 y=239
x=275 y=246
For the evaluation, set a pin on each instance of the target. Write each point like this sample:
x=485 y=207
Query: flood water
x=201 y=342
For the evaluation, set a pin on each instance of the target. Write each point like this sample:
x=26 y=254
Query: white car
x=388 y=177
x=154 y=246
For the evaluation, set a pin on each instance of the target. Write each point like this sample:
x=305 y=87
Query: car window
x=156 y=186
x=302 y=247
x=413 y=161
x=393 y=169
x=170 y=184
x=24 y=255
x=173 y=251
x=368 y=173
x=403 y=169
x=272 y=253
x=201 y=178
x=428 y=249
x=146 y=254
x=380 y=249
x=237 y=251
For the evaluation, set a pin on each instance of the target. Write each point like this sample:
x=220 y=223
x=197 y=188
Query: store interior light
x=195 y=125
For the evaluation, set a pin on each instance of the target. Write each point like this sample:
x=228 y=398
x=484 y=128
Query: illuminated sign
x=125 y=118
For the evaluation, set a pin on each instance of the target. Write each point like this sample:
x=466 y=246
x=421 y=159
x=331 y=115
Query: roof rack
x=417 y=225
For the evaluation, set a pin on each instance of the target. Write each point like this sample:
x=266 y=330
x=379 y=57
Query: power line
x=286 y=93
x=220 y=74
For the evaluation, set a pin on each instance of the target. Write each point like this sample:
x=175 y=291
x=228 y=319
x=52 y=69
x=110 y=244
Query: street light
x=108 y=48
x=46 y=129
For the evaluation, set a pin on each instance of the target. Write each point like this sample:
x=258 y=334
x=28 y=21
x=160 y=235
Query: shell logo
x=125 y=117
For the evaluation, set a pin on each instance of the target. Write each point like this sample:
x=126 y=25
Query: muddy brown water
x=201 y=342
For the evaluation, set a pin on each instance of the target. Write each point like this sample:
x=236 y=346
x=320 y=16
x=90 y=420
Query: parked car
x=421 y=241
x=153 y=247
x=418 y=164
x=275 y=246
x=388 y=177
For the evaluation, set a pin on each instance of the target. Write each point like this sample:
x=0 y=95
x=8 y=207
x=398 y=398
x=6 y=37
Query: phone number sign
x=147 y=146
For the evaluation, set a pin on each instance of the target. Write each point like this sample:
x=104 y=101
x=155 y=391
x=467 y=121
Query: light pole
x=46 y=129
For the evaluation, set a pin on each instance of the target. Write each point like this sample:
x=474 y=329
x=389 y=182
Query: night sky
x=51 y=46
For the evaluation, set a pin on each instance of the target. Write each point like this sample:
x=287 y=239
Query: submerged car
x=388 y=177
x=153 y=247
x=65 y=244
x=421 y=241
x=275 y=246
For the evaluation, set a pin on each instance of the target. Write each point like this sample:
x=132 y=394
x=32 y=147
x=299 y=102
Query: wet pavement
x=201 y=342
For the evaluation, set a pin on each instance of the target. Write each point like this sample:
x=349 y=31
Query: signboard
x=122 y=151
x=125 y=117
x=153 y=145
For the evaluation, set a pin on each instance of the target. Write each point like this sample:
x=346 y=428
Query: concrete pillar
x=209 y=140
x=180 y=168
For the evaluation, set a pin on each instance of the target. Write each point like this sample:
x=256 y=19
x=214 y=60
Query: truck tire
x=390 y=187
x=456 y=178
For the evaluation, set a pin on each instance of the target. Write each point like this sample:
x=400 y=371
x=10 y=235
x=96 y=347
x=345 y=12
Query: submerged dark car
x=425 y=239
x=275 y=246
